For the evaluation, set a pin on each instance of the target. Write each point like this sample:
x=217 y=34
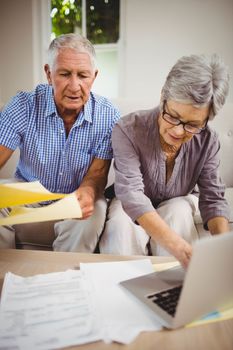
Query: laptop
x=178 y=297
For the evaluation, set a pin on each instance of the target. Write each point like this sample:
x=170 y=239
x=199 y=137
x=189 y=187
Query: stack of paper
x=46 y=311
x=62 y=309
x=20 y=193
x=73 y=307
x=122 y=317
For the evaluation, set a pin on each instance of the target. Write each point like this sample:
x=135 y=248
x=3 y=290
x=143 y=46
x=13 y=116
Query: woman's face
x=194 y=119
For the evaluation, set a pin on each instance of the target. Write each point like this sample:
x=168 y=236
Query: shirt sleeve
x=104 y=150
x=129 y=185
x=13 y=122
x=211 y=200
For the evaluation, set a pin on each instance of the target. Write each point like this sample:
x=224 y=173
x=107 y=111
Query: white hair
x=72 y=41
x=199 y=81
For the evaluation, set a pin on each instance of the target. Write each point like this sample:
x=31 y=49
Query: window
x=102 y=19
x=98 y=20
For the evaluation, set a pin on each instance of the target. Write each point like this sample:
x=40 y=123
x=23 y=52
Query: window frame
x=42 y=29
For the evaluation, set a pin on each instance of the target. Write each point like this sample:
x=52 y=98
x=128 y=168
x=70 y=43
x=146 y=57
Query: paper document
x=213 y=317
x=46 y=312
x=26 y=193
x=165 y=266
x=18 y=193
x=65 y=208
x=122 y=317
x=61 y=309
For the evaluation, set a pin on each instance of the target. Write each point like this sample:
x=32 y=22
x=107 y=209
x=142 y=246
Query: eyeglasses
x=175 y=121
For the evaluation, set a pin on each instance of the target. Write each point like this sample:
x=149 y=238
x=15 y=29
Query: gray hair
x=72 y=41
x=199 y=81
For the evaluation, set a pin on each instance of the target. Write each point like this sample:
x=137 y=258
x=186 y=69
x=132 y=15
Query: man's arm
x=5 y=154
x=93 y=185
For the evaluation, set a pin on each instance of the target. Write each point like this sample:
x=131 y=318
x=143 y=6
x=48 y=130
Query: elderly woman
x=160 y=156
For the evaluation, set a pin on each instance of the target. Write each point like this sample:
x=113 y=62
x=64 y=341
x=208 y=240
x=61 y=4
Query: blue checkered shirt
x=30 y=121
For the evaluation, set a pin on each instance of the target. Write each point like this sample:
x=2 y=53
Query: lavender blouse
x=140 y=168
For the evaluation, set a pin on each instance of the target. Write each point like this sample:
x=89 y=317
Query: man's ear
x=96 y=72
x=48 y=73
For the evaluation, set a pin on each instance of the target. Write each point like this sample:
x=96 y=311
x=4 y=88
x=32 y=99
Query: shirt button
x=60 y=173
x=61 y=131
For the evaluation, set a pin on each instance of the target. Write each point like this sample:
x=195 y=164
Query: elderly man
x=63 y=131
x=160 y=156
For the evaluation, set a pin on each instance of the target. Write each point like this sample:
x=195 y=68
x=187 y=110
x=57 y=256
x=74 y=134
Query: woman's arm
x=218 y=224
x=162 y=234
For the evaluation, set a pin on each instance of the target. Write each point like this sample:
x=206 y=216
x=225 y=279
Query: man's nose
x=75 y=83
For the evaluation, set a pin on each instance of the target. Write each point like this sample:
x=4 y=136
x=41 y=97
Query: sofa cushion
x=223 y=125
x=38 y=235
x=229 y=198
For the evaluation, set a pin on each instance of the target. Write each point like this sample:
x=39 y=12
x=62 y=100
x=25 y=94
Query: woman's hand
x=163 y=235
x=180 y=249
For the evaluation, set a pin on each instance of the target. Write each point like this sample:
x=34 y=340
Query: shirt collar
x=50 y=104
x=88 y=108
x=86 y=113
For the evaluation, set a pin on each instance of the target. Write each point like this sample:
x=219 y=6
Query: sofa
x=41 y=236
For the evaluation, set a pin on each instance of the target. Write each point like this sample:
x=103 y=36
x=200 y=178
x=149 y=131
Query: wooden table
x=214 y=336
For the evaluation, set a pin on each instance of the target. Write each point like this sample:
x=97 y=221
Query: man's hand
x=92 y=185
x=86 y=198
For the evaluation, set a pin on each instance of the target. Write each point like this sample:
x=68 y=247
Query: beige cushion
x=35 y=235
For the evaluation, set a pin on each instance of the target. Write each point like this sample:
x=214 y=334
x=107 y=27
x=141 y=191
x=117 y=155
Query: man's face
x=71 y=76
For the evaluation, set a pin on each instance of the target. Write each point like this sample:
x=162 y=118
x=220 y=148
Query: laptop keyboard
x=167 y=299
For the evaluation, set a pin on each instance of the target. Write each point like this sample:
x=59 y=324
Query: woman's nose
x=179 y=129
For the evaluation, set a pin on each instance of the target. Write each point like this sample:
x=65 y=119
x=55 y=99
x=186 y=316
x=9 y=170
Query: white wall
x=16 y=47
x=106 y=83
x=24 y=39
x=157 y=32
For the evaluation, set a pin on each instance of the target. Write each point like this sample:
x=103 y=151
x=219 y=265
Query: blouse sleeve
x=211 y=201
x=129 y=185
